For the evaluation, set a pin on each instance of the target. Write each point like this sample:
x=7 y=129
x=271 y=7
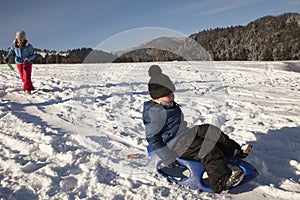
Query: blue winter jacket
x=168 y=123
x=166 y=130
x=24 y=53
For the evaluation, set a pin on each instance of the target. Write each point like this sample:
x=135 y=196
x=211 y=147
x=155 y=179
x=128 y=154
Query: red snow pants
x=25 y=74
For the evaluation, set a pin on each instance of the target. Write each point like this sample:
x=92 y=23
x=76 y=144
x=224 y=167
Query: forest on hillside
x=268 y=38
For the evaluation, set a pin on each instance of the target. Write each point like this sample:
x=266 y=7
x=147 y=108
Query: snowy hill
x=70 y=138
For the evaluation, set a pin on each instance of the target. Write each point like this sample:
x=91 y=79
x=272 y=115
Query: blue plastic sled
x=191 y=173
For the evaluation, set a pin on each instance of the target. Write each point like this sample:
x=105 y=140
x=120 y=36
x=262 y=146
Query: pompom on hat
x=21 y=35
x=159 y=84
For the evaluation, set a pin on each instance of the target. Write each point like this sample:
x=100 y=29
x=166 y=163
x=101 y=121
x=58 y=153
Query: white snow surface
x=71 y=137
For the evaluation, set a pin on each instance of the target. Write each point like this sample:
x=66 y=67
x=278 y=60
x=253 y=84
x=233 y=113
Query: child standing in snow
x=24 y=53
x=168 y=135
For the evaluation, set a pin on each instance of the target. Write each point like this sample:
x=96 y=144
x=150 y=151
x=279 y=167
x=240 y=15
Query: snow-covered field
x=70 y=138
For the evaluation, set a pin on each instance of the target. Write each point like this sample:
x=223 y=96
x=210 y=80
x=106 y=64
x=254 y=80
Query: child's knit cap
x=159 y=84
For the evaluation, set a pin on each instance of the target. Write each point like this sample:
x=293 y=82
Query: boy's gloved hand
x=6 y=60
x=173 y=164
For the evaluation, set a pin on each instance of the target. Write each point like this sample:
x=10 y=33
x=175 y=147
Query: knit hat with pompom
x=159 y=84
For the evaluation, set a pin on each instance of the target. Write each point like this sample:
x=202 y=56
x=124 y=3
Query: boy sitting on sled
x=168 y=135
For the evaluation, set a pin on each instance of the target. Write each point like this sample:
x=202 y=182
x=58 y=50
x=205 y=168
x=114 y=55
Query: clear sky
x=69 y=24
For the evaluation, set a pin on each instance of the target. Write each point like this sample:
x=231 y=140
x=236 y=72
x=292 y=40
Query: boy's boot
x=235 y=178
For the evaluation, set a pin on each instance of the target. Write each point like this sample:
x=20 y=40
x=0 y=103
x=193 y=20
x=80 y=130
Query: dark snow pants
x=211 y=146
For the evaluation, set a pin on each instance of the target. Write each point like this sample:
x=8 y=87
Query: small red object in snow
x=134 y=156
